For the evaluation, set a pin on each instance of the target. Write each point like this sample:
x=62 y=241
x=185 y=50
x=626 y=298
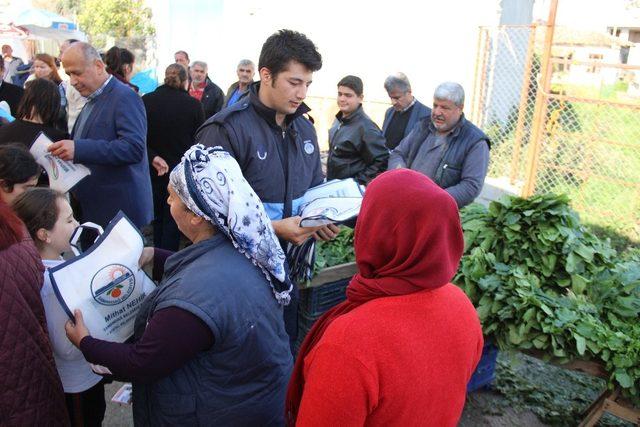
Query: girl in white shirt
x=49 y=219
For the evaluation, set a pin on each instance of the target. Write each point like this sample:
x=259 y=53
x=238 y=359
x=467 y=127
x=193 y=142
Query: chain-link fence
x=504 y=96
x=573 y=129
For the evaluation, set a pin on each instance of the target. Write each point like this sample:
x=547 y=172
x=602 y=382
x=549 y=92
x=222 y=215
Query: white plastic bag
x=105 y=282
x=332 y=202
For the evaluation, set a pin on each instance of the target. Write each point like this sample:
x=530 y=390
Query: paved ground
x=477 y=412
x=116 y=415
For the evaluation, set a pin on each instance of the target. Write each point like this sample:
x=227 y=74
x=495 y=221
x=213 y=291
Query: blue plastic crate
x=305 y=322
x=485 y=372
x=316 y=301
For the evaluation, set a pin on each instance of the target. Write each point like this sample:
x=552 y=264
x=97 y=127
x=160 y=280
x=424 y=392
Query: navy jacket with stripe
x=280 y=164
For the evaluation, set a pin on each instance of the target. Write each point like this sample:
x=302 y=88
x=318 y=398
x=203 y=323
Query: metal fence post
x=522 y=108
x=540 y=111
x=482 y=93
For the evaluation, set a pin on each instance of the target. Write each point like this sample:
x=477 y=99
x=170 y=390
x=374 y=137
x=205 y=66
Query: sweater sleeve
x=339 y=389
x=163 y=348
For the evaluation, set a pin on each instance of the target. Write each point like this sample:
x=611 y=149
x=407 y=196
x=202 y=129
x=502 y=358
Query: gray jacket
x=356 y=148
x=458 y=162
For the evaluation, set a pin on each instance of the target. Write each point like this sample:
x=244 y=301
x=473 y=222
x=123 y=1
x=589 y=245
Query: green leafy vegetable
x=335 y=252
x=540 y=280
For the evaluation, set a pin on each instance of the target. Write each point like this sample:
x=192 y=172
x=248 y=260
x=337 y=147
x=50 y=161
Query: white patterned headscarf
x=209 y=181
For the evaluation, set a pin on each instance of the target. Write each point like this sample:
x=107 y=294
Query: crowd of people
x=228 y=173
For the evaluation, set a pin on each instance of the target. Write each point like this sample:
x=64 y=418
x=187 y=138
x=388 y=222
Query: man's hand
x=64 y=149
x=76 y=330
x=326 y=233
x=160 y=165
x=289 y=229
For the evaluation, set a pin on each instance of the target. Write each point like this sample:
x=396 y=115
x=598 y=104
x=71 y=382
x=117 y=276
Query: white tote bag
x=105 y=282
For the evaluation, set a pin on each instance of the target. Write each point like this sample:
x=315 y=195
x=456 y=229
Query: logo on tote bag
x=112 y=284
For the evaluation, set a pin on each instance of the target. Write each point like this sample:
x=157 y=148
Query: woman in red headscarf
x=402 y=348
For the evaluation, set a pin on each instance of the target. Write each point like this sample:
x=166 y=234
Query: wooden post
x=540 y=112
x=522 y=108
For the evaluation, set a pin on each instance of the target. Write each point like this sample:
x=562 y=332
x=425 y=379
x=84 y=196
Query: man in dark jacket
x=356 y=145
x=10 y=93
x=274 y=143
x=246 y=70
x=406 y=111
x=204 y=90
x=173 y=117
x=446 y=147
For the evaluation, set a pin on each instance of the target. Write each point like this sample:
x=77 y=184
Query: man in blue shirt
x=246 y=70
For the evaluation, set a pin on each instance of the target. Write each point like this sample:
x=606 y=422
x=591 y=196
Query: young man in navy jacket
x=274 y=142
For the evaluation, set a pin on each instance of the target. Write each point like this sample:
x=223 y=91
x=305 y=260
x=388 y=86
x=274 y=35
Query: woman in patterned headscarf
x=210 y=345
